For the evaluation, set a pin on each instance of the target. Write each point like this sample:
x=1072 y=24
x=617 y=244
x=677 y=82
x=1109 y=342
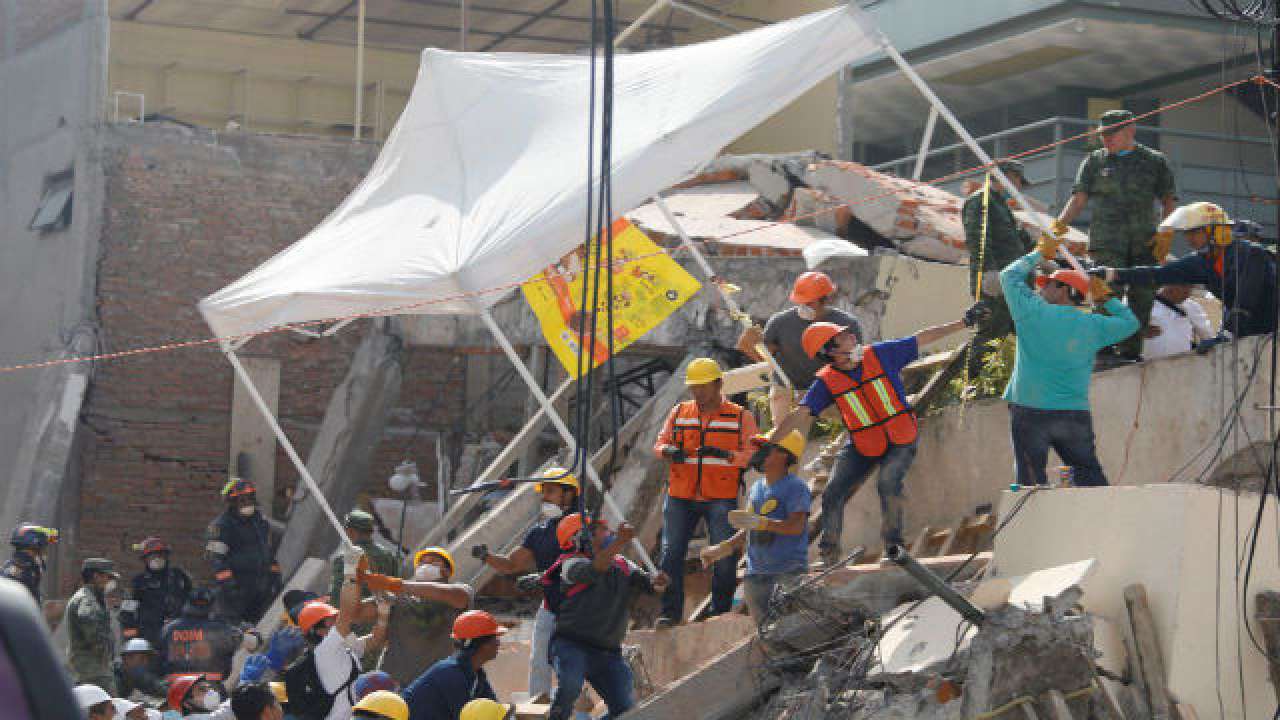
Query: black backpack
x=307 y=697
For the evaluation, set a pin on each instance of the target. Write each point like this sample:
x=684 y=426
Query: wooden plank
x=1108 y=701
x=1150 y=658
x=253 y=444
x=937 y=541
x=1056 y=706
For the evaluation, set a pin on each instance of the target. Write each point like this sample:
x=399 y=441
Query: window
x=54 y=210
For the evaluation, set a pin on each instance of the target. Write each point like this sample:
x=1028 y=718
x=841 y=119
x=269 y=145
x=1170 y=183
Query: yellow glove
x=1060 y=228
x=747 y=520
x=1048 y=246
x=1161 y=243
x=1099 y=290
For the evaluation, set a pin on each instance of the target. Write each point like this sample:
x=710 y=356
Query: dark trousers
x=679 y=518
x=607 y=672
x=850 y=472
x=1068 y=432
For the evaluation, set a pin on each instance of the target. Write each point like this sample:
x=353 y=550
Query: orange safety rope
x=392 y=310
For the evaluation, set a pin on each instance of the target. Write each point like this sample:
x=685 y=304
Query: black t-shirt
x=541 y=541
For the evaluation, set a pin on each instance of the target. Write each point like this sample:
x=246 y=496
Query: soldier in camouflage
x=359 y=527
x=30 y=542
x=88 y=621
x=1124 y=180
x=1003 y=242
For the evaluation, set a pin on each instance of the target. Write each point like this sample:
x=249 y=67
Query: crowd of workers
x=179 y=639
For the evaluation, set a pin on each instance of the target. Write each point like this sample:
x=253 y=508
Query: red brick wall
x=185 y=216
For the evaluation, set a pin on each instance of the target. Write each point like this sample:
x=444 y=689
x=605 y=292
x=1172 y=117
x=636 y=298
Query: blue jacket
x=1056 y=343
x=1246 y=286
x=441 y=691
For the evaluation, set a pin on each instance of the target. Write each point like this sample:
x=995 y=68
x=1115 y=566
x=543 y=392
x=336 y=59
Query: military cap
x=1114 y=117
x=358 y=520
x=101 y=565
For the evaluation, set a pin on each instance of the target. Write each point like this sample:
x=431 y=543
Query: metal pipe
x=654 y=9
x=925 y=142
x=934 y=584
x=359 y=71
x=462 y=25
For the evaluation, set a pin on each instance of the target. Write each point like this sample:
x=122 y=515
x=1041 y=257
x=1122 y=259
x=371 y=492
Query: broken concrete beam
x=725 y=688
x=882 y=587
x=818 y=209
x=673 y=653
x=770 y=179
x=917 y=218
x=353 y=424
x=1148 y=653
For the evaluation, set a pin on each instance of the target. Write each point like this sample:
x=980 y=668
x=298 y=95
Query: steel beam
x=451 y=29
x=524 y=25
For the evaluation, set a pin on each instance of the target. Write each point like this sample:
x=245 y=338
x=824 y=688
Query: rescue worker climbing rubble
x=240 y=550
x=30 y=543
x=865 y=383
x=157 y=594
x=706 y=441
x=91 y=638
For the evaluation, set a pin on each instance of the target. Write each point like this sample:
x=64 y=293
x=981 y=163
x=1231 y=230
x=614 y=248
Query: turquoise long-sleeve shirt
x=1056 y=343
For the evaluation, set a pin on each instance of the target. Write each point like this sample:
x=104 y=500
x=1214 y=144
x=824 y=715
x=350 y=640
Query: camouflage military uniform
x=1006 y=241
x=381 y=561
x=92 y=640
x=26 y=570
x=1123 y=191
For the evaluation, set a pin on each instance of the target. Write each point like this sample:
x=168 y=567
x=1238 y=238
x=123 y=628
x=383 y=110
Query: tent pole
x=654 y=9
x=284 y=440
x=561 y=427
x=734 y=311
x=967 y=139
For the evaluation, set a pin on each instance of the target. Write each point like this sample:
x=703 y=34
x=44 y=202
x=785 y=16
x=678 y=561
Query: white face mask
x=248 y=510
x=426 y=572
x=110 y=587
x=211 y=700
x=551 y=510
x=156 y=563
x=805 y=312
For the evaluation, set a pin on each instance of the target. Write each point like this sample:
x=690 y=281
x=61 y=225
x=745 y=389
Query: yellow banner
x=647 y=287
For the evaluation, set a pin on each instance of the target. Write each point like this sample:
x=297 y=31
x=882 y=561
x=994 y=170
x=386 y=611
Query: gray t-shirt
x=784 y=330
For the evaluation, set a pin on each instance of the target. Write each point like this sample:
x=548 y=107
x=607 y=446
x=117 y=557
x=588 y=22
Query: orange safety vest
x=717 y=479
x=871 y=410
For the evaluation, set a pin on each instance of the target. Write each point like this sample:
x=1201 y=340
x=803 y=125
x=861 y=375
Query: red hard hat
x=1074 y=278
x=568 y=528
x=476 y=624
x=180 y=688
x=817 y=335
x=314 y=612
x=811 y=286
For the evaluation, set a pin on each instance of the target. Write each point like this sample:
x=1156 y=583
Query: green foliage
x=997 y=368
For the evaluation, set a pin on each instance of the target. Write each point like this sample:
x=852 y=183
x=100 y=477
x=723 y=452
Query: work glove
x=712 y=554
x=351 y=557
x=976 y=313
x=1048 y=246
x=1060 y=228
x=714 y=452
x=747 y=520
x=252 y=640
x=480 y=552
x=1099 y=290
x=1160 y=244
x=255 y=666
x=382 y=583
x=285 y=644
x=531 y=582
x=674 y=454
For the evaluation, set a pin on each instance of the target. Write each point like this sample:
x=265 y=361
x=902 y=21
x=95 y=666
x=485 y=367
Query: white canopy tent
x=482 y=183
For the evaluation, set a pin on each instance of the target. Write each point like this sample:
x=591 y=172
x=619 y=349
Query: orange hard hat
x=314 y=612
x=476 y=624
x=180 y=688
x=568 y=528
x=811 y=286
x=817 y=335
x=1074 y=278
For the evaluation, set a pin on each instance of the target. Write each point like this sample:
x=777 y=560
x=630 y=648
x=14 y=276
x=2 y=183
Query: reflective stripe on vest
x=872 y=410
x=710 y=478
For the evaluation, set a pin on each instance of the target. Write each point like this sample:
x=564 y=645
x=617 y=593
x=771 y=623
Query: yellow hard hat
x=1195 y=215
x=486 y=709
x=278 y=689
x=385 y=704
x=793 y=443
x=702 y=371
x=558 y=476
x=440 y=552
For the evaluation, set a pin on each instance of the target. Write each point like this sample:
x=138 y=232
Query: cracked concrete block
x=925 y=637
x=771 y=182
x=818 y=209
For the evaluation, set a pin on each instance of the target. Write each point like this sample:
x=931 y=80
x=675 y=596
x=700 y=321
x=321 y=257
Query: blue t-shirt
x=541 y=541
x=770 y=553
x=893 y=355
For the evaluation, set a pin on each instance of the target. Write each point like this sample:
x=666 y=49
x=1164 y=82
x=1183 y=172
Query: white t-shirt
x=334 y=655
x=1176 y=331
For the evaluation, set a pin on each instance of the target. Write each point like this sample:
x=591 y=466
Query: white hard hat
x=137 y=645
x=89 y=695
x=1196 y=215
x=123 y=707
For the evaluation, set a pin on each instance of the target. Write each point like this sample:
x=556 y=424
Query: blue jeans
x=607 y=672
x=679 y=518
x=850 y=472
x=1068 y=432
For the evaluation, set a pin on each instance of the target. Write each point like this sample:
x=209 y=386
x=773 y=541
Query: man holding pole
x=706 y=440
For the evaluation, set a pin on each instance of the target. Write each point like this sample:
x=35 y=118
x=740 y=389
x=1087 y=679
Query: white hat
x=137 y=645
x=123 y=706
x=89 y=695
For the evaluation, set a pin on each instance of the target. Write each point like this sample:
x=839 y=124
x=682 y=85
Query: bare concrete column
x=352 y=428
x=538 y=366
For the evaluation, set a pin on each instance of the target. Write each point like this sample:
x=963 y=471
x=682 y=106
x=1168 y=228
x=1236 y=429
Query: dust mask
x=248 y=510
x=550 y=510
x=805 y=312
x=427 y=573
x=211 y=700
x=110 y=587
x=156 y=563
